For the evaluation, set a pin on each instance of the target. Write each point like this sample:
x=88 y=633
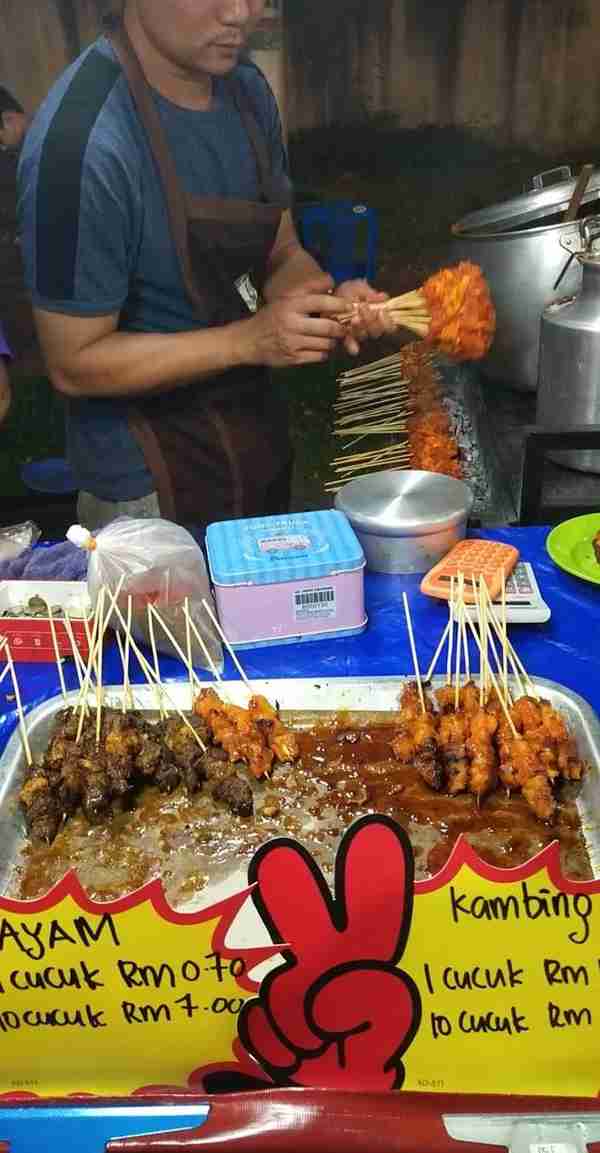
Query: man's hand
x=367 y=323
x=299 y=327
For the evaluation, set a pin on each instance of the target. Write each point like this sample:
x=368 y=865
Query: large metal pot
x=518 y=246
x=569 y=381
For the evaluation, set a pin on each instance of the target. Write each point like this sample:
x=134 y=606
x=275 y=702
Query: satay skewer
x=524 y=681
x=504 y=636
x=413 y=649
x=5 y=647
x=149 y=673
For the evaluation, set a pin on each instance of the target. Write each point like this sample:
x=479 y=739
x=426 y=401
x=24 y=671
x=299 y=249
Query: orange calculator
x=473 y=559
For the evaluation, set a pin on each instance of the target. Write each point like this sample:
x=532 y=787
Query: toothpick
x=159 y=701
x=4 y=646
x=227 y=645
x=57 y=656
x=99 y=688
x=451 y=634
x=149 y=673
x=413 y=649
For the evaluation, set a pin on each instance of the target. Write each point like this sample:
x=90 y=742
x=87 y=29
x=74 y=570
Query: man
x=154 y=206
x=5 y=396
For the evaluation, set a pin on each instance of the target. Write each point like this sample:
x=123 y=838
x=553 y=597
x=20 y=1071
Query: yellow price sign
x=480 y=980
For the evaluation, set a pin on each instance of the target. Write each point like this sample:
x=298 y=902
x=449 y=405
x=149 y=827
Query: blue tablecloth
x=566 y=650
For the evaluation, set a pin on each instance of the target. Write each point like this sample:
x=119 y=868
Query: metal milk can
x=569 y=364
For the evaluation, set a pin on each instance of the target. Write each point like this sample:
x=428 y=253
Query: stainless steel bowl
x=406 y=521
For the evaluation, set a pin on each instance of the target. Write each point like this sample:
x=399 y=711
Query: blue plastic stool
x=52 y=477
x=342 y=237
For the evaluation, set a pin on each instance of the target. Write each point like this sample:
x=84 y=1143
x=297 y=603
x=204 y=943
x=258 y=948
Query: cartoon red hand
x=337 y=1012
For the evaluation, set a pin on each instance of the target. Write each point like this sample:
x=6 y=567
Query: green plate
x=570 y=546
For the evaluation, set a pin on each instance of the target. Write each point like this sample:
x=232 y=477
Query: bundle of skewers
x=452 y=311
x=99 y=758
x=390 y=414
x=500 y=733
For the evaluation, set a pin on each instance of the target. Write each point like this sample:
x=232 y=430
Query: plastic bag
x=162 y=565
x=16 y=538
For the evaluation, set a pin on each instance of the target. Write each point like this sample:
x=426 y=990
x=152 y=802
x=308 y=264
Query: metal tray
x=305 y=700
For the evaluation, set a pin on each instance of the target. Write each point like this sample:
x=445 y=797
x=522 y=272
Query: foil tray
x=303 y=702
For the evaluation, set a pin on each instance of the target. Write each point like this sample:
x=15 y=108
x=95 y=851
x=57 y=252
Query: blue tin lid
x=270 y=549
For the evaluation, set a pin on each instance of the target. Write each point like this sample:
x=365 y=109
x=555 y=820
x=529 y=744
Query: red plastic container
x=30 y=638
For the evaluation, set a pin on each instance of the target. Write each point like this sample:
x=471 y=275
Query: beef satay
x=452 y=739
x=483 y=769
x=40 y=807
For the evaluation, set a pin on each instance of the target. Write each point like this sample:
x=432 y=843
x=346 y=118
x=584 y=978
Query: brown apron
x=217 y=448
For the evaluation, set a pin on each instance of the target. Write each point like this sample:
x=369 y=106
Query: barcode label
x=310 y=603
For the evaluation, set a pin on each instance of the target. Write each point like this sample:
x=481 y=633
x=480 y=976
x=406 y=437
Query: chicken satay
x=452 y=738
x=427 y=758
x=281 y=740
x=483 y=769
x=532 y=778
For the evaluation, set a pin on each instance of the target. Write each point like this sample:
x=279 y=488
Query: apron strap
x=143 y=99
x=245 y=107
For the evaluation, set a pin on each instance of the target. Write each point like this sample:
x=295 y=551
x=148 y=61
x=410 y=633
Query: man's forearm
x=135 y=364
x=290 y=268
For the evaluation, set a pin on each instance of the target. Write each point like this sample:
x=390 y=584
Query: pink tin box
x=283 y=579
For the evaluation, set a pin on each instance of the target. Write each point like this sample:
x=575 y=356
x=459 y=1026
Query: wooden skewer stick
x=211 y=664
x=459 y=612
x=494 y=683
x=188 y=646
x=77 y=657
x=465 y=640
x=151 y=675
x=96 y=640
x=4 y=646
x=99 y=687
x=504 y=637
x=437 y=655
x=451 y=633
x=127 y=695
x=478 y=599
x=227 y=645
x=125 y=670
x=57 y=656
x=524 y=682
x=413 y=649
x=159 y=698
x=194 y=679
